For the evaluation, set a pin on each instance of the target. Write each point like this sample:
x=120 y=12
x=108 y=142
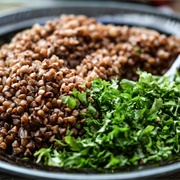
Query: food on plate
x=41 y=68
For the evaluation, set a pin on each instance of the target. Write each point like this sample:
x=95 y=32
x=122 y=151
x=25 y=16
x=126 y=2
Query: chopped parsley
x=127 y=124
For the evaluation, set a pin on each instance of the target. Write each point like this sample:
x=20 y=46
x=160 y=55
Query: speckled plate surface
x=116 y=13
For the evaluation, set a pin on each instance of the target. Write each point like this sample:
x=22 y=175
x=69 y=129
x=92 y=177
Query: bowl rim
x=93 y=3
x=24 y=15
x=139 y=174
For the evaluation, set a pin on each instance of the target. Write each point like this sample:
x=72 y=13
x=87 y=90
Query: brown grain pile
x=44 y=63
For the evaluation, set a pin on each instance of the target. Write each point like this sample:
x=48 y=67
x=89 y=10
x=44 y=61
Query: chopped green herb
x=137 y=123
x=139 y=51
x=81 y=96
x=70 y=101
x=25 y=159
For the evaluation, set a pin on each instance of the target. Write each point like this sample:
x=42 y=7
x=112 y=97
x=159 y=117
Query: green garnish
x=71 y=102
x=81 y=96
x=137 y=123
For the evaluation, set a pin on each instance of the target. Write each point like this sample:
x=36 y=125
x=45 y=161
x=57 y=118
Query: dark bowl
x=116 y=13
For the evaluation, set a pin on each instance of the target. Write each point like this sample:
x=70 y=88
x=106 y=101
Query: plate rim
x=34 y=173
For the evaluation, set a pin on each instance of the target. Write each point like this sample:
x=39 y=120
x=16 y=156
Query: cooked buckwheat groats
x=42 y=64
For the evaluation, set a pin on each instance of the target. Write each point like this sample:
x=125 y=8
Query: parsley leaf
x=71 y=102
